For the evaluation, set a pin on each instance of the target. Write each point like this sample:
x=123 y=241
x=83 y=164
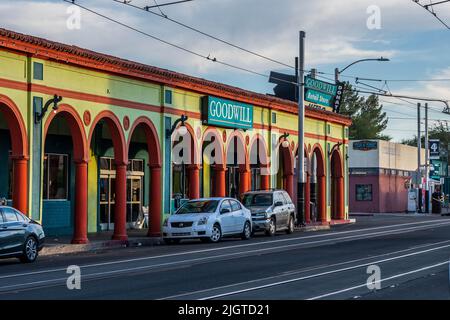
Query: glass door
x=232 y=181
x=134 y=198
x=107 y=202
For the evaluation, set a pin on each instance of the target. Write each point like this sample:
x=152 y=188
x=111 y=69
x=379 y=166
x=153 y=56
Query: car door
x=238 y=216
x=226 y=217
x=3 y=234
x=290 y=205
x=14 y=231
x=280 y=211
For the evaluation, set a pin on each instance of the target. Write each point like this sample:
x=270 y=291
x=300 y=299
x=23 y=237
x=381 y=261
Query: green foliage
x=369 y=120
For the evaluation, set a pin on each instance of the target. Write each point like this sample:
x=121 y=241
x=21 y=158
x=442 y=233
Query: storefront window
x=180 y=181
x=55 y=177
x=364 y=192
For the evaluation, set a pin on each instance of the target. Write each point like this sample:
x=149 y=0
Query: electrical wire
x=184 y=25
x=175 y=45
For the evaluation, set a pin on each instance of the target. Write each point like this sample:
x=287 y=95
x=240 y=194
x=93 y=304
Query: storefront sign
x=435 y=170
x=435 y=149
x=365 y=145
x=321 y=94
x=227 y=113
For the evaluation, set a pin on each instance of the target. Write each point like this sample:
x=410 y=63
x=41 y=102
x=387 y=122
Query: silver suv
x=272 y=211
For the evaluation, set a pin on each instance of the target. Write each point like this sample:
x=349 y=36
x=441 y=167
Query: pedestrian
x=436 y=201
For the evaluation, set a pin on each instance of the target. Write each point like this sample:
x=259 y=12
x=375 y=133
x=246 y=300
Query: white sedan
x=208 y=220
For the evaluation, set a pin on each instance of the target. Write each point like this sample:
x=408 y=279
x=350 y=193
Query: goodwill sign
x=227 y=113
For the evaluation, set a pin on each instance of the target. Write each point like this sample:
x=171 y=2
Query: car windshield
x=207 y=206
x=258 y=200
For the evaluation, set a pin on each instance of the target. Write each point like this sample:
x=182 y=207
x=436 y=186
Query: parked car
x=272 y=211
x=20 y=236
x=208 y=220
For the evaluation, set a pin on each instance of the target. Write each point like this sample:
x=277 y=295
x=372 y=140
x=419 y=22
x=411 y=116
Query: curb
x=57 y=249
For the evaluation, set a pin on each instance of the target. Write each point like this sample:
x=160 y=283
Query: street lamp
x=337 y=72
x=38 y=116
x=182 y=130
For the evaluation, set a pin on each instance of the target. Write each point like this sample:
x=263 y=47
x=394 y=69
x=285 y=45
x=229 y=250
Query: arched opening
x=108 y=148
x=307 y=190
x=14 y=154
x=65 y=181
x=144 y=175
x=185 y=170
x=318 y=186
x=285 y=175
x=259 y=165
x=212 y=169
x=337 y=186
x=238 y=171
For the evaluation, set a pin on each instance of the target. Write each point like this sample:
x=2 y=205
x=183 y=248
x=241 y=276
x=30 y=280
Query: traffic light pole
x=419 y=163
x=301 y=135
x=427 y=163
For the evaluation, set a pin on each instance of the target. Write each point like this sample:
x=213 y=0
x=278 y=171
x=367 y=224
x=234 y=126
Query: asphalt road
x=412 y=254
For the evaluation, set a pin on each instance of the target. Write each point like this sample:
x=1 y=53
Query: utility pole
x=301 y=136
x=419 y=164
x=427 y=163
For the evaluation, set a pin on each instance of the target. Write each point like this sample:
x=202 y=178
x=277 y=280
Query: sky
x=337 y=33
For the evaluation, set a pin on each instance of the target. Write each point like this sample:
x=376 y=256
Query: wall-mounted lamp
x=338 y=145
x=284 y=137
x=183 y=130
x=55 y=100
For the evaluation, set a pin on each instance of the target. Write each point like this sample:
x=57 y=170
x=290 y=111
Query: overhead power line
x=209 y=58
x=429 y=8
x=161 y=15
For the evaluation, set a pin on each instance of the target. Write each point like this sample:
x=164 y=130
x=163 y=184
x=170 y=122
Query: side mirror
x=278 y=204
x=224 y=210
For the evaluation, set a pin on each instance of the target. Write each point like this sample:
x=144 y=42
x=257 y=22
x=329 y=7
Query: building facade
x=381 y=175
x=92 y=161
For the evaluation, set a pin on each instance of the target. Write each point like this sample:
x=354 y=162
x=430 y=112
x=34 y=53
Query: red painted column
x=308 y=198
x=81 y=183
x=290 y=185
x=265 y=182
x=219 y=181
x=340 y=199
x=155 y=209
x=20 y=185
x=322 y=199
x=120 y=221
x=194 y=182
x=244 y=181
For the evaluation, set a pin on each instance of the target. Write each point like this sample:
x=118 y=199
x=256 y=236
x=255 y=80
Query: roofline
x=51 y=50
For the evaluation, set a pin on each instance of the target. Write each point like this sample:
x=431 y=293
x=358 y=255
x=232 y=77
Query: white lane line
x=380 y=281
x=147 y=267
x=426 y=224
x=274 y=284
x=294 y=272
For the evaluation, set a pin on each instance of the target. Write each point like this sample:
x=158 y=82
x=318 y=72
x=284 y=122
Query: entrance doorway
x=135 y=177
x=233 y=181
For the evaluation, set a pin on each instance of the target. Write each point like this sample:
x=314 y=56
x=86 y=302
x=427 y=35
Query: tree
x=440 y=131
x=369 y=120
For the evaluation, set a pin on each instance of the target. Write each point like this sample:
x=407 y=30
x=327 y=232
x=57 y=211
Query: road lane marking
x=294 y=272
x=278 y=283
x=426 y=224
x=379 y=281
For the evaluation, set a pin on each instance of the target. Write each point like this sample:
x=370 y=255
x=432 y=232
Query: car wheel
x=30 y=252
x=272 y=228
x=291 y=227
x=247 y=233
x=216 y=234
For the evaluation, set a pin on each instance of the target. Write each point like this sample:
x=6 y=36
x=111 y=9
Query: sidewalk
x=98 y=242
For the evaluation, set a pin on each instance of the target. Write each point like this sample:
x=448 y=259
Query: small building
x=381 y=173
